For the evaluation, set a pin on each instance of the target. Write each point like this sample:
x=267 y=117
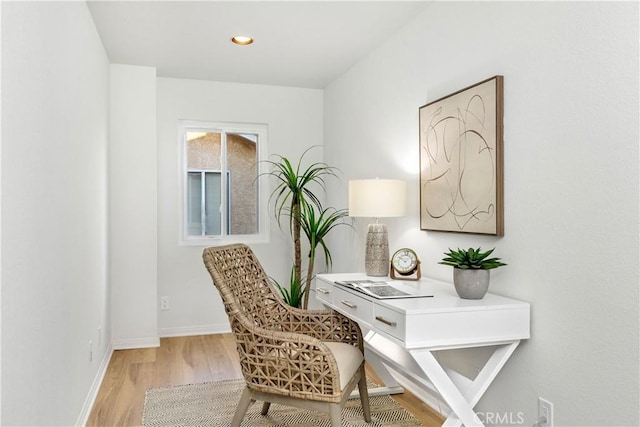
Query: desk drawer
x=324 y=291
x=389 y=321
x=356 y=307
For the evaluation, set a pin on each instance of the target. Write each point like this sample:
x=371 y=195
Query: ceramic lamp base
x=376 y=259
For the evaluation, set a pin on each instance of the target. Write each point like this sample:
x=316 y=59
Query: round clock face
x=404 y=261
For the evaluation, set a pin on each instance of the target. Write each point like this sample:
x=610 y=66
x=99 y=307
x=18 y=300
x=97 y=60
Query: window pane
x=213 y=203
x=203 y=153
x=194 y=204
x=203 y=150
x=242 y=165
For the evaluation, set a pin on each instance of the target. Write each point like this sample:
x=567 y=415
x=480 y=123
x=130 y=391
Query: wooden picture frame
x=461 y=160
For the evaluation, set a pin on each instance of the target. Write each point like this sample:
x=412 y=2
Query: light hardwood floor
x=184 y=360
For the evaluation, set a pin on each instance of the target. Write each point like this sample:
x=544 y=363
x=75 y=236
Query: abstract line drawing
x=461 y=171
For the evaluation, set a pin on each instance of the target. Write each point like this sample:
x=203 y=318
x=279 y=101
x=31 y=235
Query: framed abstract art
x=461 y=160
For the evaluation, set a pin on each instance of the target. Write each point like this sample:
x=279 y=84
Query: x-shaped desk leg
x=460 y=395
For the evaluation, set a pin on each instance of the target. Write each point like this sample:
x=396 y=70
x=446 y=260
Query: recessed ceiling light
x=242 y=40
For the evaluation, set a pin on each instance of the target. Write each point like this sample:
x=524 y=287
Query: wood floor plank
x=184 y=360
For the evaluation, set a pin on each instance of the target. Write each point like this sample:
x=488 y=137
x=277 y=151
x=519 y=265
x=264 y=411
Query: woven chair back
x=243 y=285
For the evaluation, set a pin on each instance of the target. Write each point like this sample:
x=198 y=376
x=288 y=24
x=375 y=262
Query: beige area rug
x=213 y=404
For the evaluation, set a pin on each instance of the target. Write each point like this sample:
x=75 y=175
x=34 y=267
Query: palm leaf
x=471 y=259
x=293 y=198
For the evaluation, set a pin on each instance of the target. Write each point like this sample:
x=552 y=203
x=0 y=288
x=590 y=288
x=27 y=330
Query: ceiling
x=297 y=43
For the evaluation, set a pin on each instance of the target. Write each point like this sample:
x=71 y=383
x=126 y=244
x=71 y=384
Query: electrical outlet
x=545 y=412
x=164 y=303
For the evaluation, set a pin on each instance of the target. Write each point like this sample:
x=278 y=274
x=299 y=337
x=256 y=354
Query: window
x=222 y=196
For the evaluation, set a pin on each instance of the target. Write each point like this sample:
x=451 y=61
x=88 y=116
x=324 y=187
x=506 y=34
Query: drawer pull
x=386 y=322
x=349 y=304
x=323 y=291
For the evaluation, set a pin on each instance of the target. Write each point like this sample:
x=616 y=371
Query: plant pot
x=471 y=284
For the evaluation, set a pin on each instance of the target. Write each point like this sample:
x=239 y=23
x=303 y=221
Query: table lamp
x=377 y=198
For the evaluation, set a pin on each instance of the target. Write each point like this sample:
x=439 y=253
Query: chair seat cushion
x=348 y=359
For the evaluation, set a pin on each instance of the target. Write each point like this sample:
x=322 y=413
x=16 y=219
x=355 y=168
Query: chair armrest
x=325 y=325
x=286 y=363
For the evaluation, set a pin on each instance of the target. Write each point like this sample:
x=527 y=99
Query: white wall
x=55 y=94
x=571 y=183
x=294 y=120
x=133 y=207
x=0 y=219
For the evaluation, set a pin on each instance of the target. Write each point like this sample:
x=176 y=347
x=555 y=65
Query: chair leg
x=265 y=408
x=241 y=410
x=334 y=413
x=364 y=395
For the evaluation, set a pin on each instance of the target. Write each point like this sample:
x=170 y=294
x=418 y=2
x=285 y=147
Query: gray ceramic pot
x=471 y=284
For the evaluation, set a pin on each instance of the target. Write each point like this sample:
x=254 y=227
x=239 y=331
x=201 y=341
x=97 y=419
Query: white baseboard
x=130 y=343
x=95 y=387
x=185 y=331
x=133 y=343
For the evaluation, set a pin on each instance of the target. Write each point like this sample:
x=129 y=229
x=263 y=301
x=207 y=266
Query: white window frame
x=263 y=234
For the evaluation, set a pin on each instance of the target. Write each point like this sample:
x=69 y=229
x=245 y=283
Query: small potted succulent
x=471 y=271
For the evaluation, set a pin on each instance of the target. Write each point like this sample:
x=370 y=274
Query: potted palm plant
x=294 y=199
x=471 y=271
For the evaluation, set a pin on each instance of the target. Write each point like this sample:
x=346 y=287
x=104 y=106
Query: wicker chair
x=311 y=359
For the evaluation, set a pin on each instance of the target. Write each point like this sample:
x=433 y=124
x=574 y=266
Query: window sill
x=223 y=240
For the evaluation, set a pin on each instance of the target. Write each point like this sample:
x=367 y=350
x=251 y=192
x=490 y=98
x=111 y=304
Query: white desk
x=404 y=333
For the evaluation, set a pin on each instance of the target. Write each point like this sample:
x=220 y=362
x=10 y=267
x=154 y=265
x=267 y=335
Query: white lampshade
x=377 y=198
